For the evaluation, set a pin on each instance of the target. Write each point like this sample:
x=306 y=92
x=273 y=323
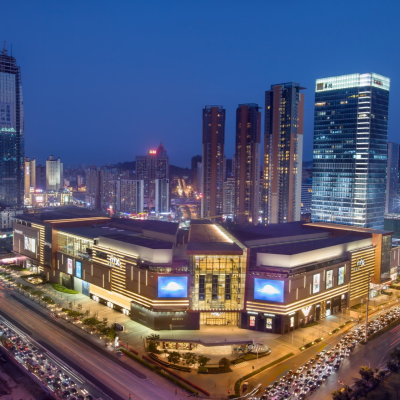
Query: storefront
x=219 y=318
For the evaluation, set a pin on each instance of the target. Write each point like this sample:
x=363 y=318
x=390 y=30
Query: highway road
x=115 y=378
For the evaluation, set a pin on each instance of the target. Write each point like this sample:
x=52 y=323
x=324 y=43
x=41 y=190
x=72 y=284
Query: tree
x=203 y=360
x=224 y=363
x=87 y=313
x=174 y=357
x=189 y=358
x=152 y=347
x=79 y=306
x=153 y=336
x=70 y=304
x=392 y=366
x=342 y=394
x=395 y=355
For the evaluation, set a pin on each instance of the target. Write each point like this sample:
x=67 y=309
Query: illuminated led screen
x=30 y=244
x=329 y=279
x=268 y=290
x=78 y=269
x=341 y=276
x=69 y=266
x=172 y=286
x=316 y=283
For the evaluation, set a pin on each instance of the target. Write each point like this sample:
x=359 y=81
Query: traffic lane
x=373 y=354
x=271 y=374
x=26 y=303
x=60 y=366
x=110 y=376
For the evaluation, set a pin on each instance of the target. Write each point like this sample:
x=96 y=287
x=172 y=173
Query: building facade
x=54 y=174
x=29 y=179
x=350 y=149
x=273 y=278
x=392 y=205
x=213 y=161
x=12 y=142
x=229 y=196
x=155 y=165
x=283 y=153
x=247 y=163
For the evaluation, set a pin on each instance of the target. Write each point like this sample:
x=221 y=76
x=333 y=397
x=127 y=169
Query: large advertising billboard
x=329 y=279
x=78 y=269
x=340 y=280
x=30 y=244
x=172 y=286
x=69 y=266
x=316 y=283
x=268 y=290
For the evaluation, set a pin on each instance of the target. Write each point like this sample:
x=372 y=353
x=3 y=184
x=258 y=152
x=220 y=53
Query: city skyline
x=167 y=66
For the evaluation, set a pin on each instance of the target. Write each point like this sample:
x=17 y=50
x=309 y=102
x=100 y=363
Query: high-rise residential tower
x=213 y=161
x=54 y=174
x=393 y=179
x=350 y=150
x=283 y=153
x=29 y=178
x=155 y=165
x=247 y=163
x=12 y=150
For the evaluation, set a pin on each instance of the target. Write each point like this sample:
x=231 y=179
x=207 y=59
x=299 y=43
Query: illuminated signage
x=152 y=151
x=341 y=275
x=268 y=323
x=17 y=231
x=252 y=321
x=69 y=266
x=172 y=286
x=291 y=322
x=329 y=279
x=115 y=262
x=316 y=283
x=268 y=290
x=30 y=244
x=7 y=130
x=78 y=269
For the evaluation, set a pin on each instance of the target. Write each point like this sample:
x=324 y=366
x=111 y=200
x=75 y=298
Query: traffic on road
x=61 y=380
x=307 y=378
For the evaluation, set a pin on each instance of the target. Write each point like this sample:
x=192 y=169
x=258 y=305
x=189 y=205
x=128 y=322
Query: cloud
x=269 y=289
x=172 y=287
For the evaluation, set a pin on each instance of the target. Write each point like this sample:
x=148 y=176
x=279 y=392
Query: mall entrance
x=219 y=318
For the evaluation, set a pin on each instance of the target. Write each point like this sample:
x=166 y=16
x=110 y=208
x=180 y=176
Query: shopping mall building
x=268 y=278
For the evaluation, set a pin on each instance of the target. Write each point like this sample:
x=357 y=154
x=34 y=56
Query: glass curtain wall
x=75 y=246
x=218 y=282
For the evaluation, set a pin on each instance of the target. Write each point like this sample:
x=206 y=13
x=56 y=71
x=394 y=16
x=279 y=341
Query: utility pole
x=366 y=312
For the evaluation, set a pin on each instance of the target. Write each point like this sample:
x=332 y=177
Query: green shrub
x=92 y=321
x=62 y=288
x=257 y=371
x=72 y=313
x=48 y=300
x=202 y=370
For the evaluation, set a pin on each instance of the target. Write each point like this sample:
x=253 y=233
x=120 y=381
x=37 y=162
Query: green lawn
x=62 y=288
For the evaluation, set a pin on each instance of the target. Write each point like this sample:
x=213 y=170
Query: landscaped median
x=62 y=288
x=257 y=371
x=164 y=372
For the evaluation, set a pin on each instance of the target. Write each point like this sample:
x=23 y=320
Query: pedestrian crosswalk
x=240 y=364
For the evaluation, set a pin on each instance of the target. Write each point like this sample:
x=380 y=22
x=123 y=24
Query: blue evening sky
x=104 y=81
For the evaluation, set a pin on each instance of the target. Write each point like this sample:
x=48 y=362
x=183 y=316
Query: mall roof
x=291 y=248
x=207 y=238
x=141 y=241
x=247 y=234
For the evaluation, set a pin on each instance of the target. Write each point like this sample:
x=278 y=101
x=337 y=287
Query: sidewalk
x=217 y=385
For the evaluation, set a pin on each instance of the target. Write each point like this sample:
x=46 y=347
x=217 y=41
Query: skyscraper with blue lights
x=350 y=149
x=11 y=133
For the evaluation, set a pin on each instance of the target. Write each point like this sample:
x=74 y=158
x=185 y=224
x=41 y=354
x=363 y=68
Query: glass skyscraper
x=350 y=149
x=11 y=133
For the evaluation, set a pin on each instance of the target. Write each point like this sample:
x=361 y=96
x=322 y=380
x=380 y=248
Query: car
x=72 y=383
x=49 y=381
x=66 y=377
x=66 y=394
